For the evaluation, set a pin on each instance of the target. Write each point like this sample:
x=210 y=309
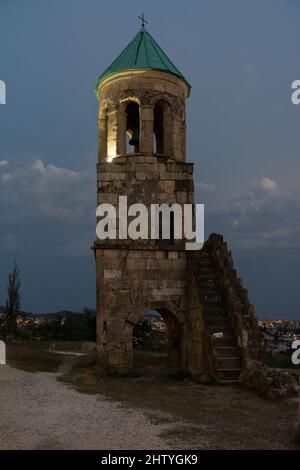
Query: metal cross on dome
x=142 y=18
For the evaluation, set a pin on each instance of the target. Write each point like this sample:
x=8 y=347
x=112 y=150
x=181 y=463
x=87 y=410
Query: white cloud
x=205 y=187
x=5 y=177
x=53 y=171
x=3 y=163
x=268 y=184
x=262 y=216
x=46 y=190
x=45 y=202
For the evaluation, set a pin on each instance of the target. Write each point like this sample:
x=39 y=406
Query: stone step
x=228 y=382
x=205 y=269
x=203 y=261
x=226 y=354
x=213 y=304
x=214 y=316
x=212 y=297
x=225 y=341
x=217 y=322
x=209 y=289
x=202 y=255
x=202 y=264
x=229 y=363
x=228 y=375
x=226 y=351
x=208 y=284
x=205 y=274
x=211 y=309
x=226 y=330
x=202 y=252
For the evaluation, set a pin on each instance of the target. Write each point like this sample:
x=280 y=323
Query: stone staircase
x=226 y=356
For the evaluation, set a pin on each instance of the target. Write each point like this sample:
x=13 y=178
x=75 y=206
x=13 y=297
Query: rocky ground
x=41 y=412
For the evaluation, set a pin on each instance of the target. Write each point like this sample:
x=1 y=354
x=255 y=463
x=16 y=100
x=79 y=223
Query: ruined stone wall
x=236 y=298
x=270 y=383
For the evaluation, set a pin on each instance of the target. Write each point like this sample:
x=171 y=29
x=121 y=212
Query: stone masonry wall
x=197 y=344
x=129 y=284
x=147 y=180
x=134 y=277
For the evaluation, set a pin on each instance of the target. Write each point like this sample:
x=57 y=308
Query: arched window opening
x=132 y=127
x=156 y=342
x=163 y=129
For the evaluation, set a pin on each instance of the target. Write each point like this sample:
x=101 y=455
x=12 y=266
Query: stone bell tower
x=142 y=153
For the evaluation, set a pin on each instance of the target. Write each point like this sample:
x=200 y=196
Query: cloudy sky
x=240 y=56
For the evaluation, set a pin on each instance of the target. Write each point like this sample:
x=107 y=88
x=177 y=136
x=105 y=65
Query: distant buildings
x=279 y=336
x=285 y=325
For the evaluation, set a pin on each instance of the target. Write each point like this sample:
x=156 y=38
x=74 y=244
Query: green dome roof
x=142 y=53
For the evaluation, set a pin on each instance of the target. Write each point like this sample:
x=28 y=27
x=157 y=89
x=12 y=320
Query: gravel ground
x=37 y=412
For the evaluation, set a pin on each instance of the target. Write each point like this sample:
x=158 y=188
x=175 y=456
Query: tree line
x=15 y=325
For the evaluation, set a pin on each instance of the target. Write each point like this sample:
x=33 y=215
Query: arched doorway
x=157 y=342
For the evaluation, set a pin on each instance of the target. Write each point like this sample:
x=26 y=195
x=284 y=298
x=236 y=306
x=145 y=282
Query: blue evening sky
x=240 y=57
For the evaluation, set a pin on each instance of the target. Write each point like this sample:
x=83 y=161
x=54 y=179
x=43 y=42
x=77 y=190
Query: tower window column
x=122 y=128
x=112 y=128
x=102 y=137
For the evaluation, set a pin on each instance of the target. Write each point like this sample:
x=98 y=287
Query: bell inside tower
x=133 y=126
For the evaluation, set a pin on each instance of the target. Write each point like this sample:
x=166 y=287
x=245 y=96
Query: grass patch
x=36 y=365
x=161 y=353
x=31 y=359
x=28 y=357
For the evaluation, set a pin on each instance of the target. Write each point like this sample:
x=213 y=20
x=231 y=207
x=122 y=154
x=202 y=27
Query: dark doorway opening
x=157 y=343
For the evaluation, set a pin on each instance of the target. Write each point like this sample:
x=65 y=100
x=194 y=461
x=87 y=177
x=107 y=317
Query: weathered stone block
x=112 y=274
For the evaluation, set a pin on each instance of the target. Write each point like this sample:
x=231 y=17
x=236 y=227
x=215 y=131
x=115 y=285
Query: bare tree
x=13 y=301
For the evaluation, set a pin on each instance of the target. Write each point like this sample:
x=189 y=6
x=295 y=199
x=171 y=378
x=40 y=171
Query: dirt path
x=37 y=412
